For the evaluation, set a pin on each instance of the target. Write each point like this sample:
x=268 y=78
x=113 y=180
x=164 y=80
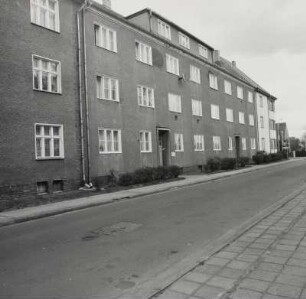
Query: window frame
x=195 y=74
x=167 y=29
x=243 y=143
x=250 y=97
x=181 y=139
x=203 y=51
x=107 y=39
x=251 y=120
x=198 y=139
x=217 y=141
x=227 y=110
x=213 y=81
x=48 y=10
x=107 y=152
x=240 y=93
x=196 y=105
x=143 y=141
x=230 y=143
x=177 y=104
x=184 y=40
x=138 y=51
x=100 y=89
x=172 y=65
x=147 y=88
x=228 y=84
x=212 y=110
x=253 y=143
x=240 y=114
x=49 y=72
x=51 y=137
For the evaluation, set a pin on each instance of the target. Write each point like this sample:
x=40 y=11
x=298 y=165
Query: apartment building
x=95 y=92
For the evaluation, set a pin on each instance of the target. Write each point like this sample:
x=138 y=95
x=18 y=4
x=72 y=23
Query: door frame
x=167 y=131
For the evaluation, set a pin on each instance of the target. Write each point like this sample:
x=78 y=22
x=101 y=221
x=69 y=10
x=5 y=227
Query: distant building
x=283 y=140
x=81 y=99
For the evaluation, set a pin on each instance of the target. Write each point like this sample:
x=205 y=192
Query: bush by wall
x=213 y=164
x=262 y=157
x=228 y=163
x=243 y=161
x=149 y=174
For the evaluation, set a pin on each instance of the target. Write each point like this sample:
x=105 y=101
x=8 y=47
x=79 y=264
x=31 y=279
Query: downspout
x=150 y=19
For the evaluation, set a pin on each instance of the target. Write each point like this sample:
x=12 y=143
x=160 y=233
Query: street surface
x=103 y=252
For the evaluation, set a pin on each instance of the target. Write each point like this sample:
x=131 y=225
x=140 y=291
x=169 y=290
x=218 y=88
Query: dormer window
x=203 y=51
x=184 y=40
x=164 y=29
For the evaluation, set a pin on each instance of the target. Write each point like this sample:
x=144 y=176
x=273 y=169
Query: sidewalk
x=267 y=261
x=26 y=214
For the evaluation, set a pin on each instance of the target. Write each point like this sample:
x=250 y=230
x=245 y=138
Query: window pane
x=52 y=20
x=114 y=90
x=47 y=147
x=56 y=131
x=102 y=147
x=106 y=88
x=56 y=147
x=51 y=5
x=109 y=140
x=116 y=141
x=38 y=130
x=36 y=79
x=38 y=147
x=44 y=81
x=54 y=83
x=104 y=37
x=111 y=41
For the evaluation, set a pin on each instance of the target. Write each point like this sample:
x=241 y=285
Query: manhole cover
x=121 y=227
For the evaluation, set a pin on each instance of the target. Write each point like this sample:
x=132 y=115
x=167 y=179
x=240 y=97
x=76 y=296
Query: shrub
x=213 y=164
x=160 y=173
x=228 y=163
x=243 y=161
x=301 y=153
x=259 y=157
x=126 y=179
x=143 y=175
x=175 y=171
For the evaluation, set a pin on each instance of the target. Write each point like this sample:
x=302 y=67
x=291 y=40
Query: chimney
x=107 y=3
x=234 y=63
x=216 y=55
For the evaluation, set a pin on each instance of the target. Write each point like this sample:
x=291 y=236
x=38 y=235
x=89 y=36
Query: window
x=250 y=97
x=184 y=40
x=216 y=143
x=273 y=144
x=244 y=144
x=58 y=186
x=262 y=124
x=174 y=102
x=195 y=74
x=164 y=29
x=215 y=113
x=105 y=38
x=230 y=143
x=272 y=124
x=172 y=65
x=227 y=87
x=239 y=92
x=253 y=143
x=46 y=74
x=42 y=187
x=203 y=51
x=145 y=138
x=45 y=13
x=241 y=117
x=263 y=144
x=251 y=120
x=272 y=106
x=109 y=141
x=213 y=81
x=49 y=141
x=107 y=88
x=199 y=143
x=145 y=96
x=178 y=142
x=260 y=101
x=196 y=107
x=143 y=52
x=229 y=115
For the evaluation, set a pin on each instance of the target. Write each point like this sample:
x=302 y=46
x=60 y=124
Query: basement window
x=58 y=186
x=42 y=187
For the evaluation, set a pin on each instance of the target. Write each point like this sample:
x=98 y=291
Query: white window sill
x=115 y=101
x=199 y=150
x=110 y=153
x=47 y=91
x=108 y=50
x=146 y=63
x=144 y=106
x=49 y=158
x=52 y=30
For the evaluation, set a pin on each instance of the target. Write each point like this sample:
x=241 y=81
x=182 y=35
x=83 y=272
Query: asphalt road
x=103 y=252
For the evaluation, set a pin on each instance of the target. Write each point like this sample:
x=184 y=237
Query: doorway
x=237 y=147
x=163 y=146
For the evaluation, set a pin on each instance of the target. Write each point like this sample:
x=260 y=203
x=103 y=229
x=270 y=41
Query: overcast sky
x=267 y=38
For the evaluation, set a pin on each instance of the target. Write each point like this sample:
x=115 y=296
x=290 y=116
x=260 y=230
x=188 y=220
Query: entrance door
x=163 y=147
x=237 y=147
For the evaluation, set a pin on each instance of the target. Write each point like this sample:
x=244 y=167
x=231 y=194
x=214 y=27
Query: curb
x=151 y=290
x=12 y=217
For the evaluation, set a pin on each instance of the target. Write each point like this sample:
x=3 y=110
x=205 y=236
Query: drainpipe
x=82 y=10
x=150 y=19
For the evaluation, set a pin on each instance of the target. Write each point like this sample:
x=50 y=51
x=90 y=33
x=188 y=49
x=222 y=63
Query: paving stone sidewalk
x=267 y=262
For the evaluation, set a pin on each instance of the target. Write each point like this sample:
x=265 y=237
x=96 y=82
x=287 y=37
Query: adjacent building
x=87 y=91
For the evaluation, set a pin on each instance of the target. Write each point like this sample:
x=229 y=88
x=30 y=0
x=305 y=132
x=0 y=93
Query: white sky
x=267 y=38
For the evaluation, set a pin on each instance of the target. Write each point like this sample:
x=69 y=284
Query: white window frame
x=260 y=101
x=250 y=97
x=36 y=13
x=263 y=144
x=106 y=141
x=195 y=74
x=103 y=37
x=42 y=136
x=145 y=141
x=241 y=118
x=251 y=120
x=184 y=40
x=101 y=81
x=253 y=143
x=203 y=51
x=50 y=73
x=227 y=87
x=163 y=29
x=199 y=145
x=143 y=52
x=172 y=64
x=145 y=96
x=229 y=115
x=217 y=143
x=196 y=107
x=239 y=92
x=213 y=81
x=178 y=142
x=230 y=143
x=175 y=103
x=215 y=111
x=243 y=144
